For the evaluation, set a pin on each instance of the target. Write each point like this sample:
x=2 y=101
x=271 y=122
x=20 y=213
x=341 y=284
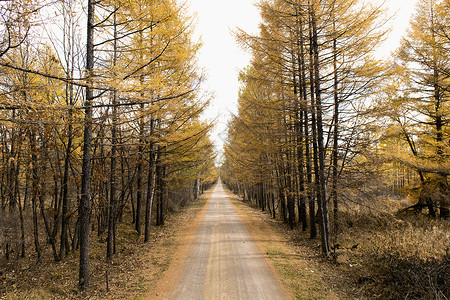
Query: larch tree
x=66 y=152
x=418 y=108
x=314 y=60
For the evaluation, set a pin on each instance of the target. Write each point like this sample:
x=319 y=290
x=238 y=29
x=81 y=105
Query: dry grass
x=410 y=259
x=398 y=257
x=298 y=267
x=404 y=256
x=395 y=256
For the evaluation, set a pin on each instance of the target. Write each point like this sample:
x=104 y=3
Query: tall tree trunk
x=22 y=227
x=139 y=174
x=289 y=192
x=281 y=191
x=158 y=185
x=301 y=174
x=19 y=205
x=150 y=186
x=64 y=243
x=12 y=164
x=69 y=36
x=322 y=200
x=304 y=132
x=334 y=181
x=300 y=127
x=110 y=244
x=84 y=206
x=140 y=159
x=34 y=193
x=160 y=173
x=313 y=187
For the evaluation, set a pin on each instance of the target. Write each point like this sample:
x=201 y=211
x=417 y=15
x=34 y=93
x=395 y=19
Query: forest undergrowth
x=388 y=255
x=135 y=269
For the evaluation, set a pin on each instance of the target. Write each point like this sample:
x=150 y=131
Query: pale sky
x=222 y=58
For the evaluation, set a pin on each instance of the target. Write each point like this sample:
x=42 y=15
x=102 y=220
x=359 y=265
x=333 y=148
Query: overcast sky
x=222 y=58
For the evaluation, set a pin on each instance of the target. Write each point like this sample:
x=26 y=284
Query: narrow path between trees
x=224 y=262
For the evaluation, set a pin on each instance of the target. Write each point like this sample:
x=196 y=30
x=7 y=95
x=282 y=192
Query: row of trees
x=320 y=120
x=100 y=110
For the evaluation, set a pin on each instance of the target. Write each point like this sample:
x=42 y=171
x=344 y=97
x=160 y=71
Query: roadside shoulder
x=294 y=267
x=177 y=254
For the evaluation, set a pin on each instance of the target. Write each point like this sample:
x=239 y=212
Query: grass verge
x=381 y=256
x=298 y=269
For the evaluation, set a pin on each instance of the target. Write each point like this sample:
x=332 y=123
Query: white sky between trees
x=222 y=58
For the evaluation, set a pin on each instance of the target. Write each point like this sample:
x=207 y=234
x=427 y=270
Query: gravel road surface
x=225 y=262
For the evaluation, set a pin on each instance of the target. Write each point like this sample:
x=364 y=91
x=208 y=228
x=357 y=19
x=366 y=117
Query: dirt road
x=225 y=262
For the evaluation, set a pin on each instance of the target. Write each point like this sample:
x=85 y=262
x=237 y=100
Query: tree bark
x=111 y=238
x=314 y=187
x=150 y=186
x=34 y=194
x=84 y=206
x=334 y=164
x=322 y=200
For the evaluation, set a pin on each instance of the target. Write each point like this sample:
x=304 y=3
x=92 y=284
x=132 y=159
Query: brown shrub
x=408 y=258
